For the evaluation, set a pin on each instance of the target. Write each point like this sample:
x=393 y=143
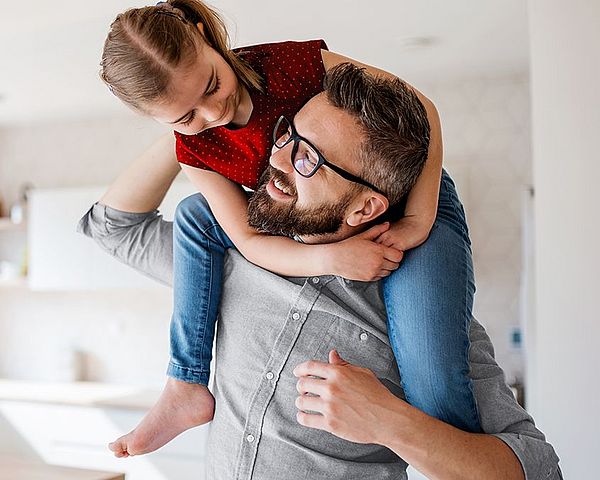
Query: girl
x=172 y=62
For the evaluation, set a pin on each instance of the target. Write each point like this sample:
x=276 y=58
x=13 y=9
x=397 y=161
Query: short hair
x=394 y=123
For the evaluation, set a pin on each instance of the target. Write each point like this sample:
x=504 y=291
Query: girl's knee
x=194 y=207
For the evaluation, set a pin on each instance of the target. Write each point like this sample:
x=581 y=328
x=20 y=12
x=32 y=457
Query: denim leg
x=199 y=245
x=429 y=302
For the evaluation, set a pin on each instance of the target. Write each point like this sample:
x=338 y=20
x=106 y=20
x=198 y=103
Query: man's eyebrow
x=210 y=82
x=320 y=149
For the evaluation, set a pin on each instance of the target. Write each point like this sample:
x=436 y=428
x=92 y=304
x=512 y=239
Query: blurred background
x=84 y=340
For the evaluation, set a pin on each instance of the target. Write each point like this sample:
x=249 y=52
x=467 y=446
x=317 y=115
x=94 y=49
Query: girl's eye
x=191 y=119
x=215 y=88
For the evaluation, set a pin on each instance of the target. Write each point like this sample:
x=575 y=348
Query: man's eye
x=304 y=162
x=309 y=158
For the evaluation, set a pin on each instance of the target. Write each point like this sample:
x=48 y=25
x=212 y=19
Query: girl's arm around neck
x=280 y=255
x=284 y=256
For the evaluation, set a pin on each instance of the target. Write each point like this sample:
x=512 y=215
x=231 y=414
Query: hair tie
x=170 y=11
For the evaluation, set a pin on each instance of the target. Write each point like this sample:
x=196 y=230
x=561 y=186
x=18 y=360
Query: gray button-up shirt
x=269 y=324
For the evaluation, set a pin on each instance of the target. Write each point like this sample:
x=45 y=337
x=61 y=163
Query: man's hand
x=362 y=258
x=343 y=399
x=408 y=232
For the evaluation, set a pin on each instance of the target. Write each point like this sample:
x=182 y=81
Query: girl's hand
x=362 y=258
x=408 y=232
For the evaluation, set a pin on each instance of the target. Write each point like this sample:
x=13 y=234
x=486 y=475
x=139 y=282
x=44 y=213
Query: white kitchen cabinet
x=12 y=253
x=62 y=259
x=58 y=431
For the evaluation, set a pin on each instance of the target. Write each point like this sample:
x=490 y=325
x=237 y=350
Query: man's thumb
x=335 y=359
x=376 y=230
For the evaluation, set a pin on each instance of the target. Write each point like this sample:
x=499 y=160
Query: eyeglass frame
x=297 y=138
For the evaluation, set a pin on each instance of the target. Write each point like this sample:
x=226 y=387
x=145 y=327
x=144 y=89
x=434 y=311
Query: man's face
x=287 y=203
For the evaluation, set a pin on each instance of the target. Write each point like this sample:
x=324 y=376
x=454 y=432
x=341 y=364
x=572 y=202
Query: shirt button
x=363 y=336
x=250 y=438
x=270 y=375
x=295 y=315
x=316 y=280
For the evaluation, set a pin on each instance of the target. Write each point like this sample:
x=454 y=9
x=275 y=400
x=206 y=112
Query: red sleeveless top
x=293 y=73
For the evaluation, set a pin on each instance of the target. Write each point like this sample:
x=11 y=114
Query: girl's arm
x=141 y=187
x=421 y=205
x=283 y=255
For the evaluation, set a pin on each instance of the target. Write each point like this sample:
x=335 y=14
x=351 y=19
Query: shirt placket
x=282 y=349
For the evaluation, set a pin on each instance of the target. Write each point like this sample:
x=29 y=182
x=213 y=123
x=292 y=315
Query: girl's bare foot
x=181 y=406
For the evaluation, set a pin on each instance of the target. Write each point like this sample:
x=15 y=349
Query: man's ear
x=368 y=209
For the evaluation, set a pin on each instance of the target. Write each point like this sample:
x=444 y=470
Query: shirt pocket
x=360 y=347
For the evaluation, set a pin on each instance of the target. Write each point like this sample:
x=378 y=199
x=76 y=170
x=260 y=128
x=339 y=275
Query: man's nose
x=281 y=158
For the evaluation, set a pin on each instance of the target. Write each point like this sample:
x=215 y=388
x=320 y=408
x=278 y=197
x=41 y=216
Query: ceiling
x=51 y=49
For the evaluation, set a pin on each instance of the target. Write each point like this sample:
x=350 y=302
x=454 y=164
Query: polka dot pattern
x=293 y=73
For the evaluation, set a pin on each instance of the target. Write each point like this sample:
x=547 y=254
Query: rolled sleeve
x=537 y=457
x=501 y=415
x=144 y=241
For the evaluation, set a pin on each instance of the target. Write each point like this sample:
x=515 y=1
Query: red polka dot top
x=293 y=73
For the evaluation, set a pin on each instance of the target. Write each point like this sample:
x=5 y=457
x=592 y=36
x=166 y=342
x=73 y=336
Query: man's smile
x=279 y=189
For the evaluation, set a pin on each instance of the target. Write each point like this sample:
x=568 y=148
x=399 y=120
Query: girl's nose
x=213 y=111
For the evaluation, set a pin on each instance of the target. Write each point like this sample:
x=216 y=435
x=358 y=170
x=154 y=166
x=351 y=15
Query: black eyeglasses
x=305 y=157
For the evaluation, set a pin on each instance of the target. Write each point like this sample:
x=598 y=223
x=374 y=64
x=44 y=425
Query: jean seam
x=474 y=420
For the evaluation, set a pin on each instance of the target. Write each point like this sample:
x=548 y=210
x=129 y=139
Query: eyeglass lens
x=306 y=159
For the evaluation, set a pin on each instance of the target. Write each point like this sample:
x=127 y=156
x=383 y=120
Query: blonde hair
x=145 y=45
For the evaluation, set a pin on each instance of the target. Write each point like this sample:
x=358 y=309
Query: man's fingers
x=336 y=359
x=311 y=420
x=308 y=403
x=310 y=385
x=313 y=368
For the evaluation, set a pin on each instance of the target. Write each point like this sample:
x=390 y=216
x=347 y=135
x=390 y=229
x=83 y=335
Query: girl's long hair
x=145 y=45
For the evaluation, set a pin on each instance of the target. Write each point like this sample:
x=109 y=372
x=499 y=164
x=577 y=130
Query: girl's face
x=202 y=95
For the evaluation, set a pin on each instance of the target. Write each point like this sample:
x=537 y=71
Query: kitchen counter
x=89 y=394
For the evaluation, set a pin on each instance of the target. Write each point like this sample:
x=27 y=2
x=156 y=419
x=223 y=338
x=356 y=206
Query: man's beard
x=285 y=218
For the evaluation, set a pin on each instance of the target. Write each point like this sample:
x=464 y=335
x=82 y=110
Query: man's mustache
x=273 y=173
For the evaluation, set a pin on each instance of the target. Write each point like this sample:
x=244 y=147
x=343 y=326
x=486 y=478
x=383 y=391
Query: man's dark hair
x=394 y=123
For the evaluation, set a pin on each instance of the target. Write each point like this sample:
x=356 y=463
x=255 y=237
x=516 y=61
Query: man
x=306 y=385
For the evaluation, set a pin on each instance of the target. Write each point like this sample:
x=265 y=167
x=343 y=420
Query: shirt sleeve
x=500 y=414
x=144 y=241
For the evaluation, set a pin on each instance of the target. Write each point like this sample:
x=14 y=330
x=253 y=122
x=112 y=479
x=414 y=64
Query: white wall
x=565 y=74
x=487 y=149
x=123 y=334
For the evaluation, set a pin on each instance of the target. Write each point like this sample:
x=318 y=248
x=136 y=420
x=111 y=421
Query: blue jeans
x=428 y=300
x=199 y=245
